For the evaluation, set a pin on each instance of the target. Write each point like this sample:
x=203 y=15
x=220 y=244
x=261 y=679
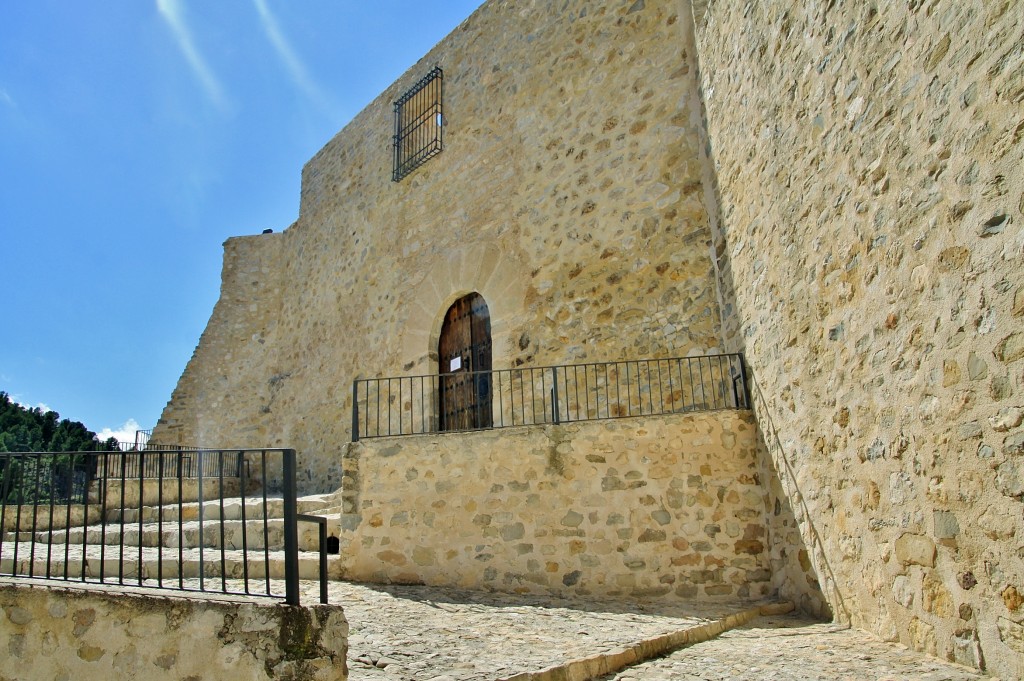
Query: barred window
x=418 y=124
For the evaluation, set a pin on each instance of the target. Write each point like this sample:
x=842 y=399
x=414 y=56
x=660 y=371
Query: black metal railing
x=60 y=520
x=156 y=461
x=142 y=438
x=147 y=459
x=411 y=405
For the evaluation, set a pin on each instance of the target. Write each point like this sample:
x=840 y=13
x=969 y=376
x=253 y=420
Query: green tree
x=32 y=430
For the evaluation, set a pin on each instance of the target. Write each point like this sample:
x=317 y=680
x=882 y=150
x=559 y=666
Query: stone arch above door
x=498 y=276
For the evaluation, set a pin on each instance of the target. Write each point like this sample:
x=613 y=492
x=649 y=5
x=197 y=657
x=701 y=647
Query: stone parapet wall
x=73 y=633
x=642 y=507
x=868 y=161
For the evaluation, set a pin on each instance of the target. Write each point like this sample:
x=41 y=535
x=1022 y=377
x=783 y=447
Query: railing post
x=291 y=530
x=355 y=410
x=744 y=384
x=554 y=395
x=202 y=523
x=323 y=562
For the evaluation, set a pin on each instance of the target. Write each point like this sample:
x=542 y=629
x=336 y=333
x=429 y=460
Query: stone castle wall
x=240 y=336
x=832 y=188
x=567 y=194
x=868 y=162
x=641 y=507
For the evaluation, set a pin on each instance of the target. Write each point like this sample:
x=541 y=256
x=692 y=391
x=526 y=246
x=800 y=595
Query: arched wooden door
x=464 y=359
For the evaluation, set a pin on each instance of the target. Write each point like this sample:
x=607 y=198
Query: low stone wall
x=72 y=633
x=634 y=507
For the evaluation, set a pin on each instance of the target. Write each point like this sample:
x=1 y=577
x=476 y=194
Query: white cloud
x=6 y=98
x=284 y=50
x=41 y=406
x=173 y=13
x=126 y=433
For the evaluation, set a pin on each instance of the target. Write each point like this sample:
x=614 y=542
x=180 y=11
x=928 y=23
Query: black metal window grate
x=418 y=124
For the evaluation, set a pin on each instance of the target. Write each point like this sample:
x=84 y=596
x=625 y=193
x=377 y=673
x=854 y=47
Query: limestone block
x=1013 y=445
x=915 y=549
x=1010 y=478
x=902 y=591
x=1010 y=348
x=1006 y=418
x=935 y=597
x=966 y=648
x=922 y=636
x=945 y=525
x=1011 y=632
x=1012 y=598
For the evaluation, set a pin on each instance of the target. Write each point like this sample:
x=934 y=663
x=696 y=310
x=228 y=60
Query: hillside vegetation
x=24 y=429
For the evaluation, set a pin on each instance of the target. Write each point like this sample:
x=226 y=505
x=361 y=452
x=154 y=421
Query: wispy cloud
x=126 y=433
x=284 y=50
x=173 y=13
x=6 y=98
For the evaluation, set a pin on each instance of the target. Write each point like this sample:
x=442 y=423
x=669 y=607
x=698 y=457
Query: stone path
x=438 y=634
x=794 y=648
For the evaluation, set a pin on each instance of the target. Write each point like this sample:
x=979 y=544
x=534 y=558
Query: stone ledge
x=595 y=666
x=57 y=630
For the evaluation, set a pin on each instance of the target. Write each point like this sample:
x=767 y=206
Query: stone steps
x=190 y=534
x=105 y=561
x=166 y=540
x=211 y=510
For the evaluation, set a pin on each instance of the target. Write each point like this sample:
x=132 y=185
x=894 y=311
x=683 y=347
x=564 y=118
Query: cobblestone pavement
x=443 y=634
x=797 y=649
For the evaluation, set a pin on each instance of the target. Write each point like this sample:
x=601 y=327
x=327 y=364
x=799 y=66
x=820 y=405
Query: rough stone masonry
x=832 y=188
x=866 y=159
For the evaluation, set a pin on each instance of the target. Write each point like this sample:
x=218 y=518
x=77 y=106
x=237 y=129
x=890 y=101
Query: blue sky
x=135 y=137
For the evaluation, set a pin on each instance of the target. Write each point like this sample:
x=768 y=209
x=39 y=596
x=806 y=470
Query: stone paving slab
x=442 y=634
x=794 y=648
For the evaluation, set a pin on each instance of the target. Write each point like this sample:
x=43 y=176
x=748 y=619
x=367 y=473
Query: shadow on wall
x=796 y=569
x=799 y=564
